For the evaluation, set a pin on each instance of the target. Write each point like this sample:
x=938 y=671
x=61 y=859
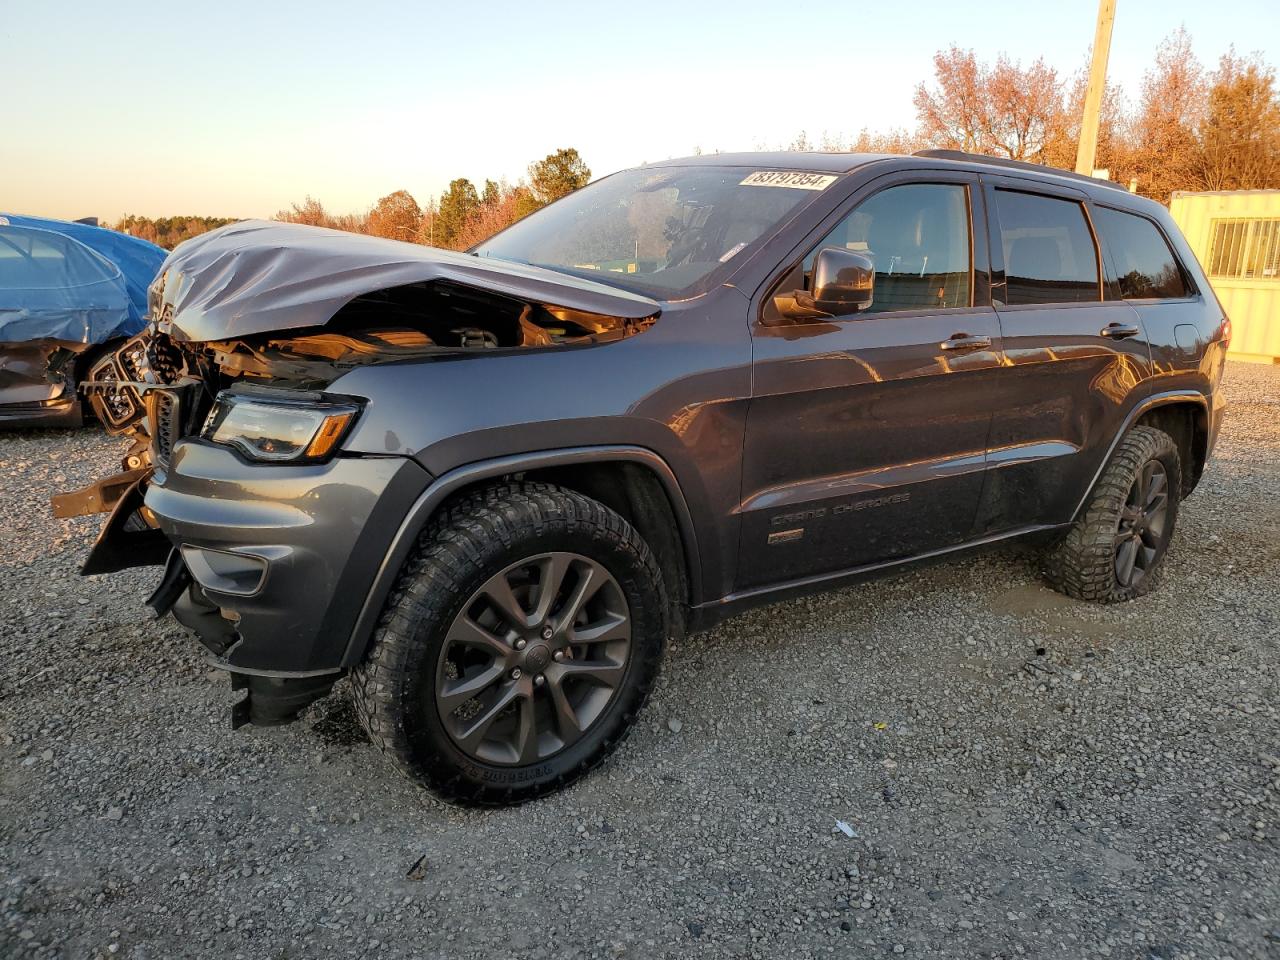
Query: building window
x=1246 y=249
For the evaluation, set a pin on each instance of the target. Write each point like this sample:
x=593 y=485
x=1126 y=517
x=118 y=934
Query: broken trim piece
x=98 y=497
x=126 y=540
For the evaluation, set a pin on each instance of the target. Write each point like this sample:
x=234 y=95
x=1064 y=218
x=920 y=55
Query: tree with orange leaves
x=1240 y=134
x=396 y=216
x=1003 y=109
x=1169 y=112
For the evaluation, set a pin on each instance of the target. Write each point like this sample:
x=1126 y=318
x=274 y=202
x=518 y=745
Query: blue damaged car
x=68 y=293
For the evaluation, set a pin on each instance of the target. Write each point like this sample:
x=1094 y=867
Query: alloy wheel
x=1140 y=530
x=533 y=659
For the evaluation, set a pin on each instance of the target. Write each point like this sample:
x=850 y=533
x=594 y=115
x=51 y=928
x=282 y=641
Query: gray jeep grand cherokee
x=488 y=486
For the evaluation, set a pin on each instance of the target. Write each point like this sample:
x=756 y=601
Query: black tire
x=470 y=543
x=1090 y=562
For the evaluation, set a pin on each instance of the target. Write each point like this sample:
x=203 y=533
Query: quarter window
x=917 y=235
x=1049 y=254
x=1246 y=249
x=1145 y=266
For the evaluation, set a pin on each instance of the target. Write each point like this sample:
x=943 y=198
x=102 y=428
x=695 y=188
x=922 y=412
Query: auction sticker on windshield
x=796 y=179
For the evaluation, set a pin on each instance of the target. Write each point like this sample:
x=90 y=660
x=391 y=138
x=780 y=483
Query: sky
x=240 y=109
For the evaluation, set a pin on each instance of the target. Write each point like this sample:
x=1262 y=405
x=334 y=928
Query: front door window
x=917 y=235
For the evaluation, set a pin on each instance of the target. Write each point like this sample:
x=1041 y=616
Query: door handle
x=1120 y=331
x=962 y=341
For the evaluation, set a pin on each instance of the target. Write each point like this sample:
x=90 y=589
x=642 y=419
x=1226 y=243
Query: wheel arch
x=1184 y=415
x=1187 y=422
x=634 y=481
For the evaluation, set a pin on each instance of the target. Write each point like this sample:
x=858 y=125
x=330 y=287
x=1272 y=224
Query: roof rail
x=1016 y=165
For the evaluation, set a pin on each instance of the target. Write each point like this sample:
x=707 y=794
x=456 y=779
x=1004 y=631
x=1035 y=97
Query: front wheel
x=521 y=641
x=1115 y=550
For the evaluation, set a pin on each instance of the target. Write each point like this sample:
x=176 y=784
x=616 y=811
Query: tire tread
x=1082 y=565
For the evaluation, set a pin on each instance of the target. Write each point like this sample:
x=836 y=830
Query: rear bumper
x=286 y=554
x=1217 y=414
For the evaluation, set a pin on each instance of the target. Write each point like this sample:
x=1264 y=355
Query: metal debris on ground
x=418 y=870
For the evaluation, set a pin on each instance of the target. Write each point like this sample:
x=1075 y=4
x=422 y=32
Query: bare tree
x=800 y=143
x=311 y=212
x=896 y=140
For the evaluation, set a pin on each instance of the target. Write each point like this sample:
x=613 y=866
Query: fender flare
x=449 y=483
x=1150 y=403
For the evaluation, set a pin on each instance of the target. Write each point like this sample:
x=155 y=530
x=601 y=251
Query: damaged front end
x=67 y=291
x=259 y=317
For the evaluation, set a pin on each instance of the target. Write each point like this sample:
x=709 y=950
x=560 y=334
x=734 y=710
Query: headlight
x=278 y=431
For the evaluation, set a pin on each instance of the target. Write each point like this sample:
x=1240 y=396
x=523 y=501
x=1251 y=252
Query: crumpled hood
x=259 y=277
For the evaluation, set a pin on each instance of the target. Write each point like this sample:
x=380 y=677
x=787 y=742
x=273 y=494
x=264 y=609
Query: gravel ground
x=1025 y=775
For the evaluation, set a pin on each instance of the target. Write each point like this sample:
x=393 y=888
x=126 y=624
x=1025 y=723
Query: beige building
x=1236 y=236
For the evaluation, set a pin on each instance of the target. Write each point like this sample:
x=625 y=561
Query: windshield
x=667 y=232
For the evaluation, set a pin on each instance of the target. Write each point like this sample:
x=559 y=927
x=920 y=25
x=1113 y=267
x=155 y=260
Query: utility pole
x=1097 y=86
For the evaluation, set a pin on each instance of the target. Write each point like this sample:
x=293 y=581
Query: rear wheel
x=521 y=641
x=1115 y=550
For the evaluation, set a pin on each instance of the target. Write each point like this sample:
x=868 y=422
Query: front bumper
x=285 y=555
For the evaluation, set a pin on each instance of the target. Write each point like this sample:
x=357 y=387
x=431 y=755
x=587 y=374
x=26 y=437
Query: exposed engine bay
x=158 y=387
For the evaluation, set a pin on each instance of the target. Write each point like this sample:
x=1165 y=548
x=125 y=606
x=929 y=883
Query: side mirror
x=843 y=283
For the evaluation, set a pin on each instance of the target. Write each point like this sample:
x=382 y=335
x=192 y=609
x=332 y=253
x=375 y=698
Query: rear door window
x=1145 y=266
x=1049 y=253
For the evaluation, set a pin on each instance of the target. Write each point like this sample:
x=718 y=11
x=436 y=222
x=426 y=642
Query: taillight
x=1226 y=331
